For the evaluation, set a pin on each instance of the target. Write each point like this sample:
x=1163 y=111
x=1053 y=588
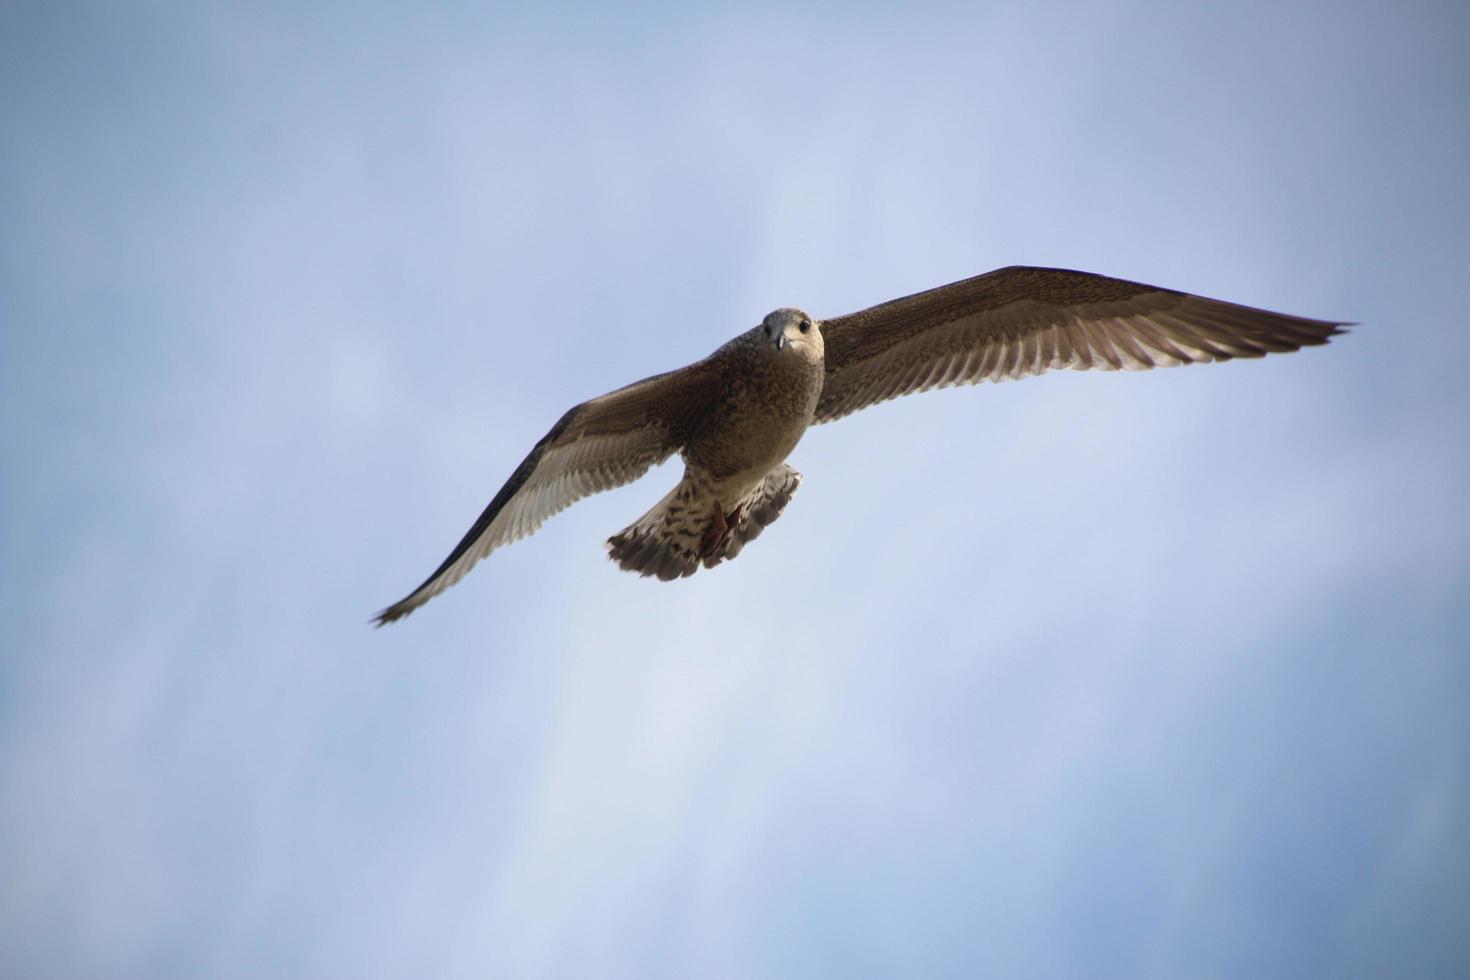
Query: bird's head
x=791 y=328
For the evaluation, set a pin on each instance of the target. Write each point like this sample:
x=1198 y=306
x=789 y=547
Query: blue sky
x=1152 y=674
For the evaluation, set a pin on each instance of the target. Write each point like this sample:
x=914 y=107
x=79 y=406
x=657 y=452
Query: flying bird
x=735 y=416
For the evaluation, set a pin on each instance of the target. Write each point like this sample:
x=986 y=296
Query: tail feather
x=665 y=541
x=760 y=508
x=670 y=541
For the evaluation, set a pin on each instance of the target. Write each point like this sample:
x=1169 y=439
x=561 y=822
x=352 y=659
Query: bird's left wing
x=598 y=445
x=1020 y=321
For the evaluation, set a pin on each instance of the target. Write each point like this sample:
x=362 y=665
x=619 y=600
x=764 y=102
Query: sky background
x=1159 y=674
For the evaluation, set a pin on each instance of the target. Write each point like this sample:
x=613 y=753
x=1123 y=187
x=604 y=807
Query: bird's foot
x=717 y=535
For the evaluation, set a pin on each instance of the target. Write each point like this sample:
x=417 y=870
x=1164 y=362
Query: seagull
x=735 y=416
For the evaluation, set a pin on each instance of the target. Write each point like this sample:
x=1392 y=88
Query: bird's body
x=735 y=416
x=767 y=398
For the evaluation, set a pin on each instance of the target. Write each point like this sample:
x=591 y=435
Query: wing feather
x=1020 y=321
x=599 y=444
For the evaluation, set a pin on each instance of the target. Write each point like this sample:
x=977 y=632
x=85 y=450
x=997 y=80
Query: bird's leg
x=718 y=531
x=732 y=519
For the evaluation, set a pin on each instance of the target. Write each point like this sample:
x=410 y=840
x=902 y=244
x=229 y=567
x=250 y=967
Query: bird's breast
x=766 y=405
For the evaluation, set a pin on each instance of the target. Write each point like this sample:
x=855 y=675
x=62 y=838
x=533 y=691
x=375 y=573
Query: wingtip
x=1320 y=332
x=390 y=615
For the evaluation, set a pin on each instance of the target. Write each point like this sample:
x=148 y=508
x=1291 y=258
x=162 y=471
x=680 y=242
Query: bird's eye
x=806 y=325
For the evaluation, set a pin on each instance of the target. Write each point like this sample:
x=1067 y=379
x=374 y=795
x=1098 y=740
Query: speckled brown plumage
x=736 y=415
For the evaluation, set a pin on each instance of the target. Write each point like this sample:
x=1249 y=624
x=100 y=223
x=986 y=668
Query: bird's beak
x=780 y=340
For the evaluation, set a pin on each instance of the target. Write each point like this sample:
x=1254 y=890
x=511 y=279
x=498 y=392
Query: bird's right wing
x=598 y=445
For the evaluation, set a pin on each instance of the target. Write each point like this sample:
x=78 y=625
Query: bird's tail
x=760 y=508
x=691 y=527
